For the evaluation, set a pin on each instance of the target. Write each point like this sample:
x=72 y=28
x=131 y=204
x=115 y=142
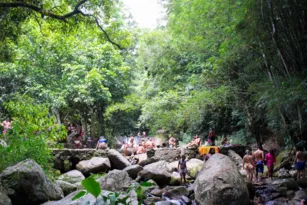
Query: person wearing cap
x=102 y=143
x=249 y=165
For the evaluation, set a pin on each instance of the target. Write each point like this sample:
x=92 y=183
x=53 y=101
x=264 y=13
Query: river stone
x=147 y=161
x=162 y=165
x=72 y=176
x=283 y=173
x=157 y=192
x=66 y=187
x=236 y=158
x=116 y=180
x=94 y=165
x=117 y=160
x=300 y=194
x=30 y=184
x=290 y=183
x=4 y=199
x=175 y=179
x=219 y=182
x=302 y=183
x=133 y=170
x=160 y=176
x=163 y=203
x=194 y=166
x=167 y=154
x=179 y=191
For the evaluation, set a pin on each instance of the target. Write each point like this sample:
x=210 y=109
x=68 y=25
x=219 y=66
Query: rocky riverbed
x=218 y=181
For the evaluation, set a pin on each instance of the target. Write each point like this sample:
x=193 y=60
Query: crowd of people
x=254 y=164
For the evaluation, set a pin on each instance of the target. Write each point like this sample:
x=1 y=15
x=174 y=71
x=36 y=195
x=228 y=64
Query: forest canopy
x=236 y=66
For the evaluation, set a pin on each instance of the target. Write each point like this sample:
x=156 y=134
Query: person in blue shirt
x=102 y=143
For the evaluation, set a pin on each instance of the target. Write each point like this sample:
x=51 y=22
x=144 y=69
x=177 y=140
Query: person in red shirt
x=270 y=160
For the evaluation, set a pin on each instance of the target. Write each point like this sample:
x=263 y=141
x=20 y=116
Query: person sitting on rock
x=140 y=149
x=211 y=152
x=172 y=141
x=150 y=144
x=182 y=167
x=195 y=142
x=102 y=143
x=78 y=142
x=249 y=165
x=259 y=159
x=300 y=160
x=212 y=137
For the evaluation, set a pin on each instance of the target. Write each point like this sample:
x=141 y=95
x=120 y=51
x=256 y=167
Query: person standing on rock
x=102 y=143
x=270 y=160
x=300 y=160
x=212 y=136
x=259 y=159
x=249 y=165
x=182 y=167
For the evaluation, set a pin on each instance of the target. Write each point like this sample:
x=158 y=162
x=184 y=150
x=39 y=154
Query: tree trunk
x=56 y=112
x=100 y=118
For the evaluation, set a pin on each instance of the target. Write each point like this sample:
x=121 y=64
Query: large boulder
x=73 y=176
x=289 y=183
x=133 y=170
x=117 y=160
x=167 y=154
x=157 y=165
x=30 y=184
x=219 y=182
x=116 y=180
x=193 y=166
x=66 y=187
x=4 y=199
x=237 y=159
x=160 y=176
x=94 y=165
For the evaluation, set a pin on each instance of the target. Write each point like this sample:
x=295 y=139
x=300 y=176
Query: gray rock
x=193 y=166
x=302 y=183
x=72 y=176
x=167 y=154
x=66 y=187
x=147 y=161
x=116 y=180
x=300 y=194
x=157 y=192
x=162 y=165
x=133 y=170
x=160 y=176
x=94 y=165
x=30 y=184
x=290 y=183
x=179 y=191
x=236 y=158
x=283 y=173
x=87 y=199
x=175 y=179
x=4 y=199
x=117 y=160
x=219 y=182
x=163 y=203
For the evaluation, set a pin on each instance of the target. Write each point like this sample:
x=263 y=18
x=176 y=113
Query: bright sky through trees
x=145 y=12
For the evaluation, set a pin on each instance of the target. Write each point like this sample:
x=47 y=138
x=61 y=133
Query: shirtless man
x=6 y=124
x=150 y=144
x=197 y=140
x=259 y=159
x=131 y=142
x=140 y=149
x=172 y=141
x=249 y=165
x=300 y=162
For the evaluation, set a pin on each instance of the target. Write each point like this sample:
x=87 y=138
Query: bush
x=32 y=134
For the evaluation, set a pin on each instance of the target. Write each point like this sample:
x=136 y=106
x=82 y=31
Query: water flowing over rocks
x=30 y=184
x=219 y=182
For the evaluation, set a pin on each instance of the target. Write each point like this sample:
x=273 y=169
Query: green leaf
x=79 y=195
x=146 y=184
x=91 y=186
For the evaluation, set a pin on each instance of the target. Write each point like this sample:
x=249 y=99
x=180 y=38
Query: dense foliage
x=238 y=66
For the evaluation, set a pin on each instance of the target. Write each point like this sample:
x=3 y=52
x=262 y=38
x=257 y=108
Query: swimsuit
x=300 y=166
x=248 y=166
x=259 y=166
x=183 y=167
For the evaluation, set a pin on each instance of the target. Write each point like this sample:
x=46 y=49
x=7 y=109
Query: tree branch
x=51 y=14
x=42 y=11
